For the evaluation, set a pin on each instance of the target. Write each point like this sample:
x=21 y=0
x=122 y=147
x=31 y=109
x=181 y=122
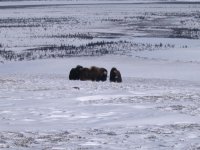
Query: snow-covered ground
x=157 y=106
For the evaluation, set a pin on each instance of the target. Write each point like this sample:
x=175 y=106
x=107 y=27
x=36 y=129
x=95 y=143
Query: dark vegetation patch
x=75 y=35
x=186 y=33
x=90 y=49
x=36 y=22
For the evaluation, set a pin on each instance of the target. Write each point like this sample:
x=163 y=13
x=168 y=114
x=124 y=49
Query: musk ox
x=115 y=75
x=93 y=74
x=75 y=73
x=84 y=74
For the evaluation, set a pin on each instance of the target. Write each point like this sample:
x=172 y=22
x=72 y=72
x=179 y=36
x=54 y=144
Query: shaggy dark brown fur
x=115 y=75
x=85 y=74
x=75 y=73
x=93 y=74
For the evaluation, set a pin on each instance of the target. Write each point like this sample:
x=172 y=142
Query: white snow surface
x=157 y=106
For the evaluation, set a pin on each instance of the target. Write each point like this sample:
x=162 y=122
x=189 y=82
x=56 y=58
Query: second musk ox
x=93 y=73
x=115 y=75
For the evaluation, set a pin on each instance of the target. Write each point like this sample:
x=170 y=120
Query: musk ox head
x=75 y=73
x=93 y=74
x=115 y=75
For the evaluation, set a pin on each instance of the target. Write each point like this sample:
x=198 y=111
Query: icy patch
x=99 y=97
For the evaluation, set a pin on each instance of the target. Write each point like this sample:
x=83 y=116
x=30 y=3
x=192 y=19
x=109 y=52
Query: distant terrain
x=154 y=44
